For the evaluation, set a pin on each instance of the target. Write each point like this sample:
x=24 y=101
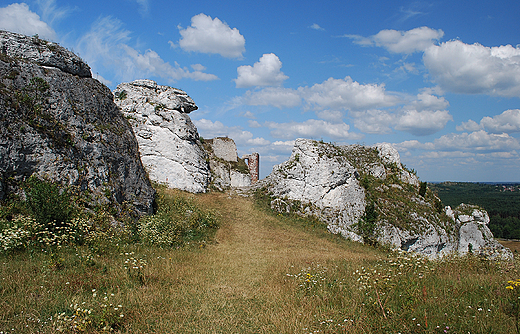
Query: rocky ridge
x=170 y=146
x=59 y=123
x=367 y=195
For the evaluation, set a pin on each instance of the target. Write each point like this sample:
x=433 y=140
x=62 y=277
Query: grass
x=258 y=273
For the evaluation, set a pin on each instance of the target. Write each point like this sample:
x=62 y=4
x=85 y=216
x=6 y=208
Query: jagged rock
x=227 y=169
x=336 y=183
x=43 y=53
x=59 y=123
x=168 y=140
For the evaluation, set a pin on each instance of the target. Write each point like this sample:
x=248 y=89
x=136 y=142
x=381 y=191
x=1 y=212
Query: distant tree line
x=502 y=206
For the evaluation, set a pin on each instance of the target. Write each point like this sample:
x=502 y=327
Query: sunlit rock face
x=58 y=123
x=168 y=140
x=337 y=184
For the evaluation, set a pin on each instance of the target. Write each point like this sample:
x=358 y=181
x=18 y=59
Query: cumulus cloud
x=506 y=122
x=278 y=97
x=373 y=121
x=422 y=123
x=265 y=72
x=475 y=69
x=207 y=35
x=421 y=116
x=477 y=142
x=106 y=46
x=210 y=129
x=311 y=128
x=418 y=39
x=316 y=26
x=17 y=17
x=343 y=94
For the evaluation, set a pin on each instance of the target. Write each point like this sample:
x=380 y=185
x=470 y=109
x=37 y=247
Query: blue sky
x=438 y=79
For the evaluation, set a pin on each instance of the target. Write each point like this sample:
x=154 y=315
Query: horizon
x=440 y=81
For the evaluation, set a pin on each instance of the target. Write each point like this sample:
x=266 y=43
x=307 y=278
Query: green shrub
x=178 y=220
x=48 y=203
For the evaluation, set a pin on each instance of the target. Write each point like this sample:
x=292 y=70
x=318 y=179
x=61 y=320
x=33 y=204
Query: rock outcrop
x=227 y=169
x=367 y=195
x=168 y=140
x=59 y=123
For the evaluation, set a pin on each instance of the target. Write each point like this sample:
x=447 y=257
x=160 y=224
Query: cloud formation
x=265 y=72
x=415 y=40
x=475 y=69
x=346 y=94
x=312 y=128
x=241 y=137
x=207 y=35
x=506 y=122
x=17 y=17
x=106 y=46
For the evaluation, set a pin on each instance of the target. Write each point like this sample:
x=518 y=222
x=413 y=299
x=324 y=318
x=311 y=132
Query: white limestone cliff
x=168 y=140
x=336 y=184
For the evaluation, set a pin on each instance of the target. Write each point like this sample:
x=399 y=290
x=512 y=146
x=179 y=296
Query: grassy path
x=240 y=283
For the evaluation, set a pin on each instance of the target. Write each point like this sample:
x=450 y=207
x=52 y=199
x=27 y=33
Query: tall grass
x=258 y=273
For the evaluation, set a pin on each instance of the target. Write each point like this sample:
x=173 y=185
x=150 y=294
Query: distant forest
x=501 y=201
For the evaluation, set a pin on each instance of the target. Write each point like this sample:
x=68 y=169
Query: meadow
x=224 y=263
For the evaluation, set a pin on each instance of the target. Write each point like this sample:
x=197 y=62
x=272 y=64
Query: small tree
x=422 y=189
x=367 y=224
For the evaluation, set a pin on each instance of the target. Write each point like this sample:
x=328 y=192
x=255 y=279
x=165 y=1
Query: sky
x=440 y=80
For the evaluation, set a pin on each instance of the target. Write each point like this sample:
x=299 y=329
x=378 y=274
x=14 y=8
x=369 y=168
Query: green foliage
x=502 y=206
x=178 y=220
x=48 y=202
x=366 y=225
x=122 y=95
x=422 y=189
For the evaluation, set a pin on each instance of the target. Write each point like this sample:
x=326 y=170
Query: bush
x=50 y=205
x=177 y=220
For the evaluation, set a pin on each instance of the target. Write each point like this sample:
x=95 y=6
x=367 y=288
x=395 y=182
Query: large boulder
x=367 y=195
x=60 y=124
x=168 y=140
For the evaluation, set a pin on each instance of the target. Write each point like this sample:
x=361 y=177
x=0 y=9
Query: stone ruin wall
x=253 y=162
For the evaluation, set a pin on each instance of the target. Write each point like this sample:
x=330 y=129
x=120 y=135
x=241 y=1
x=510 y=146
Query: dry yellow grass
x=239 y=282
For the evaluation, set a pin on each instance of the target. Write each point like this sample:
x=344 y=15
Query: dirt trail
x=252 y=245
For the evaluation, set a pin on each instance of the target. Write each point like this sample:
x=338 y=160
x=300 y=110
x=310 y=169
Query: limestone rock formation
x=227 y=169
x=59 y=123
x=367 y=195
x=168 y=140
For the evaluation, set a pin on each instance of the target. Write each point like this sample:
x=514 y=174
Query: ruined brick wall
x=253 y=162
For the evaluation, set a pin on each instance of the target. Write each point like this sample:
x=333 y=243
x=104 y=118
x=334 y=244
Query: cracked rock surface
x=336 y=183
x=168 y=140
x=59 y=123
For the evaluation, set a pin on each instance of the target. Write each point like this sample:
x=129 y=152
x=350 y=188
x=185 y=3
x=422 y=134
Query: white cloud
x=475 y=69
x=210 y=129
x=50 y=12
x=422 y=123
x=506 y=122
x=253 y=124
x=330 y=115
x=470 y=126
x=106 y=46
x=18 y=18
x=209 y=35
x=316 y=26
x=478 y=142
x=265 y=72
x=278 y=97
x=373 y=121
x=342 y=94
x=395 y=41
x=311 y=128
